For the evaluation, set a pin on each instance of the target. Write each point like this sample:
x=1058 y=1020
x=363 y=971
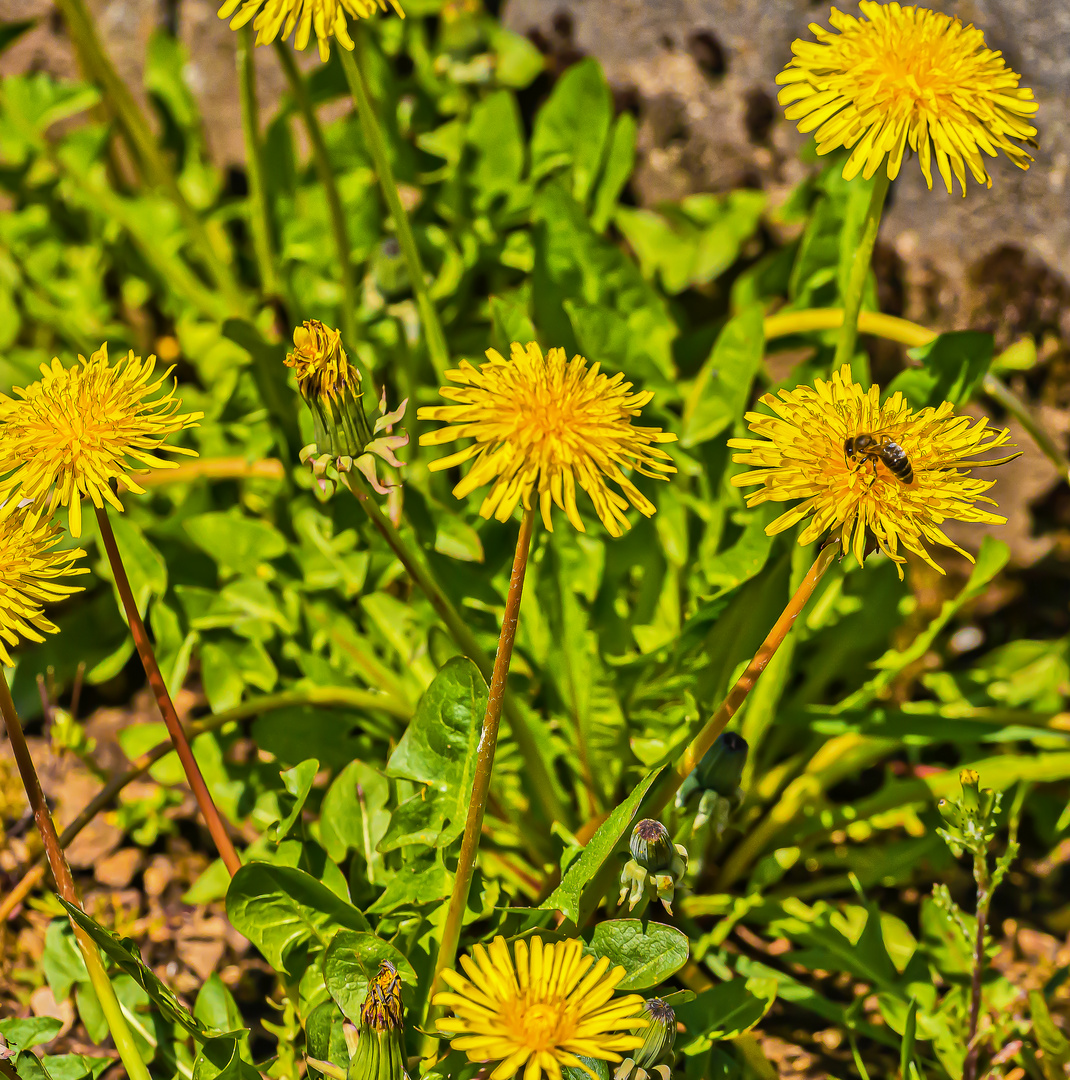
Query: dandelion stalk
x=437 y=348
x=488 y=741
x=745 y=683
x=856 y=283
x=260 y=214
x=458 y=629
x=163 y=700
x=325 y=175
x=61 y=871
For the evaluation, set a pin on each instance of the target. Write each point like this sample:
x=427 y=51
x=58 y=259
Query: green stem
x=142 y=143
x=856 y=284
x=163 y=700
x=434 y=336
x=534 y=766
x=984 y=897
x=322 y=164
x=254 y=160
x=61 y=871
x=488 y=740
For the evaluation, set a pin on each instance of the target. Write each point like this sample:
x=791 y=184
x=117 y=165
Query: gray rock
x=702 y=75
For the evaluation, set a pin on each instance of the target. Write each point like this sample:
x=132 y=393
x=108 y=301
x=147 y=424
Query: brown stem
x=163 y=700
x=41 y=816
x=488 y=739
x=745 y=683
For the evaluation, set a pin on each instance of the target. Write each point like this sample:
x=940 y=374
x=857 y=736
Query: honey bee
x=859 y=449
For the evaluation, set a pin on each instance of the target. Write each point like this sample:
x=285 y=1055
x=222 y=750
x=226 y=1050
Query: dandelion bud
x=332 y=389
x=651 y=845
x=380 y=1053
x=656 y=863
x=654 y=1057
x=721 y=767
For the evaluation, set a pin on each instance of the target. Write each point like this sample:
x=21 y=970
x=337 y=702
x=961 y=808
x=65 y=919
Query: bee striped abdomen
x=895 y=458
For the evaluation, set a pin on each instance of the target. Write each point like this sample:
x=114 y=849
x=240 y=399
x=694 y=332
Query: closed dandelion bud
x=951 y=812
x=656 y=863
x=654 y=1057
x=332 y=388
x=651 y=846
x=380 y=1051
x=721 y=767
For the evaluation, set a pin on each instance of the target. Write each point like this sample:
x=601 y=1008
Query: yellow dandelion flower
x=552 y=1008
x=31 y=573
x=320 y=362
x=907 y=77
x=279 y=18
x=545 y=425
x=896 y=488
x=68 y=436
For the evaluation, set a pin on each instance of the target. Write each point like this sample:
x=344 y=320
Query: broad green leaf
x=354 y=817
x=333 y=736
x=124 y=953
x=954 y=366
x=422 y=883
x=440 y=744
x=510 y=322
x=352 y=960
x=725 y=1011
x=62 y=960
x=220 y=1059
x=216 y=1008
x=519 y=61
x=496 y=136
x=21 y=1034
x=279 y=907
x=649 y=952
x=571 y=128
x=75 y=1066
x=722 y=387
x=223 y=683
x=568 y=896
x=298 y=782
x=235 y=540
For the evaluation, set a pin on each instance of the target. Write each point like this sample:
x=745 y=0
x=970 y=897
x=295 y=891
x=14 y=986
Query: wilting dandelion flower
x=32 y=574
x=77 y=429
x=552 y=1008
x=331 y=387
x=279 y=18
x=907 y=77
x=804 y=454
x=378 y=1052
x=545 y=425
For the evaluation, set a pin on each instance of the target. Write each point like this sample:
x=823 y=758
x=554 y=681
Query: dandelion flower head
x=320 y=362
x=802 y=455
x=279 y=18
x=551 y=1007
x=32 y=574
x=69 y=435
x=543 y=425
x=907 y=77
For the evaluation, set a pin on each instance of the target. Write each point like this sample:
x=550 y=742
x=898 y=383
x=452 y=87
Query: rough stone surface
x=700 y=74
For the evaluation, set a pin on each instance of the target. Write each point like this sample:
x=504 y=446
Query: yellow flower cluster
x=67 y=437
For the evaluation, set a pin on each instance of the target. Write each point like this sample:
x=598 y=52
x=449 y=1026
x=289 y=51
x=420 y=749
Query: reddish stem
x=163 y=700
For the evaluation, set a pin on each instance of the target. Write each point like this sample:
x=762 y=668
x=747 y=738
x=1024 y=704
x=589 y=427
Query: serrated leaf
x=124 y=953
